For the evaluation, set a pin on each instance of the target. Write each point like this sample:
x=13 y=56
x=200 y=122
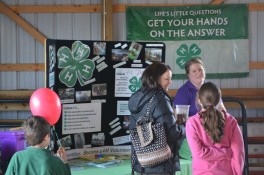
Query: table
x=125 y=169
x=186 y=167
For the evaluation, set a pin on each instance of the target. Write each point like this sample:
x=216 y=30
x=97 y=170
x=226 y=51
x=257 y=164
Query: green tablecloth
x=186 y=167
x=124 y=168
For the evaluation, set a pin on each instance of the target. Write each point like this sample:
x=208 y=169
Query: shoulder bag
x=149 y=141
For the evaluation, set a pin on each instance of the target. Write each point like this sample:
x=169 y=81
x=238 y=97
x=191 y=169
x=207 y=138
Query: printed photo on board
x=153 y=54
x=134 y=50
x=126 y=122
x=79 y=140
x=83 y=96
x=119 y=55
x=99 y=89
x=66 y=95
x=52 y=58
x=99 y=48
x=66 y=142
x=98 y=139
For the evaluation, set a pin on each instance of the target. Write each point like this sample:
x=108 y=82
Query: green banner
x=218 y=34
x=187 y=22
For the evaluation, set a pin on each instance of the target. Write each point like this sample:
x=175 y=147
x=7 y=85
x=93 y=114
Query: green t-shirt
x=36 y=161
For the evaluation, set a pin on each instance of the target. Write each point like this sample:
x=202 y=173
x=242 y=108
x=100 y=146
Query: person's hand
x=179 y=121
x=61 y=153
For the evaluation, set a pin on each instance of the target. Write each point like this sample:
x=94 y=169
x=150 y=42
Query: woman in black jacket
x=156 y=80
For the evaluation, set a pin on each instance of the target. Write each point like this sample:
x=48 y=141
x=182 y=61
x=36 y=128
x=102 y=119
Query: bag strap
x=148 y=107
x=146 y=117
x=133 y=161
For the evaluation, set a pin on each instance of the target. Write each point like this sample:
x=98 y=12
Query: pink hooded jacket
x=226 y=157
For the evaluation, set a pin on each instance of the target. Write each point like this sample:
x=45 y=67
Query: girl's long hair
x=213 y=120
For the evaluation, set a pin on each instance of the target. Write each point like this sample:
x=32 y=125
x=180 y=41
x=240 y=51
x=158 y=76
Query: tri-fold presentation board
x=94 y=80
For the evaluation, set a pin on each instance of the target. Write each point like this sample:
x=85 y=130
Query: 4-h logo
x=135 y=84
x=185 y=54
x=74 y=64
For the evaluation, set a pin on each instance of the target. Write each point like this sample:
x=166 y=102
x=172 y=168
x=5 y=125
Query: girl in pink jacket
x=214 y=137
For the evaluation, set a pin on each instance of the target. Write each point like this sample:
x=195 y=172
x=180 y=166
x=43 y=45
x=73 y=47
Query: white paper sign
x=107 y=150
x=127 y=81
x=121 y=140
x=122 y=108
x=80 y=118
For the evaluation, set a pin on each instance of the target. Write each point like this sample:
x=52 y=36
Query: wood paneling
x=253 y=98
x=122 y=7
x=251 y=94
x=21 y=22
x=57 y=9
x=97 y=8
x=107 y=20
x=14 y=107
x=217 y=2
x=15 y=94
x=41 y=67
x=22 y=67
x=256 y=65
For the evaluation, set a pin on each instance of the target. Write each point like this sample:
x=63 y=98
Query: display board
x=94 y=80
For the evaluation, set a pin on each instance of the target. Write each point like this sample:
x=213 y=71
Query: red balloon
x=45 y=103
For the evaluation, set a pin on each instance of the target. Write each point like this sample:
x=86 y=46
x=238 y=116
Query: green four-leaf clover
x=186 y=54
x=74 y=64
x=135 y=84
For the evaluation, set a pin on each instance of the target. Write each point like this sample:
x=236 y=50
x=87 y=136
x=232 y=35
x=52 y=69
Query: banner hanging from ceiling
x=218 y=34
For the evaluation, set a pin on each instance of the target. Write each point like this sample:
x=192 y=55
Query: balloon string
x=53 y=127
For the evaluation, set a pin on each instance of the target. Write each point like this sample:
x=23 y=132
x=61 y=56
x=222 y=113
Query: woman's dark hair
x=192 y=61
x=36 y=129
x=151 y=76
x=213 y=120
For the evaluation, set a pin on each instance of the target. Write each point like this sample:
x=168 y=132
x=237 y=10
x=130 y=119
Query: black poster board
x=94 y=80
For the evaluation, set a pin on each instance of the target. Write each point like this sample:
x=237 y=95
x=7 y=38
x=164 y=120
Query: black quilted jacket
x=162 y=111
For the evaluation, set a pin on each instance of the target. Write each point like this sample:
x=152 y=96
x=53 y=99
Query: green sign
x=205 y=22
x=218 y=34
